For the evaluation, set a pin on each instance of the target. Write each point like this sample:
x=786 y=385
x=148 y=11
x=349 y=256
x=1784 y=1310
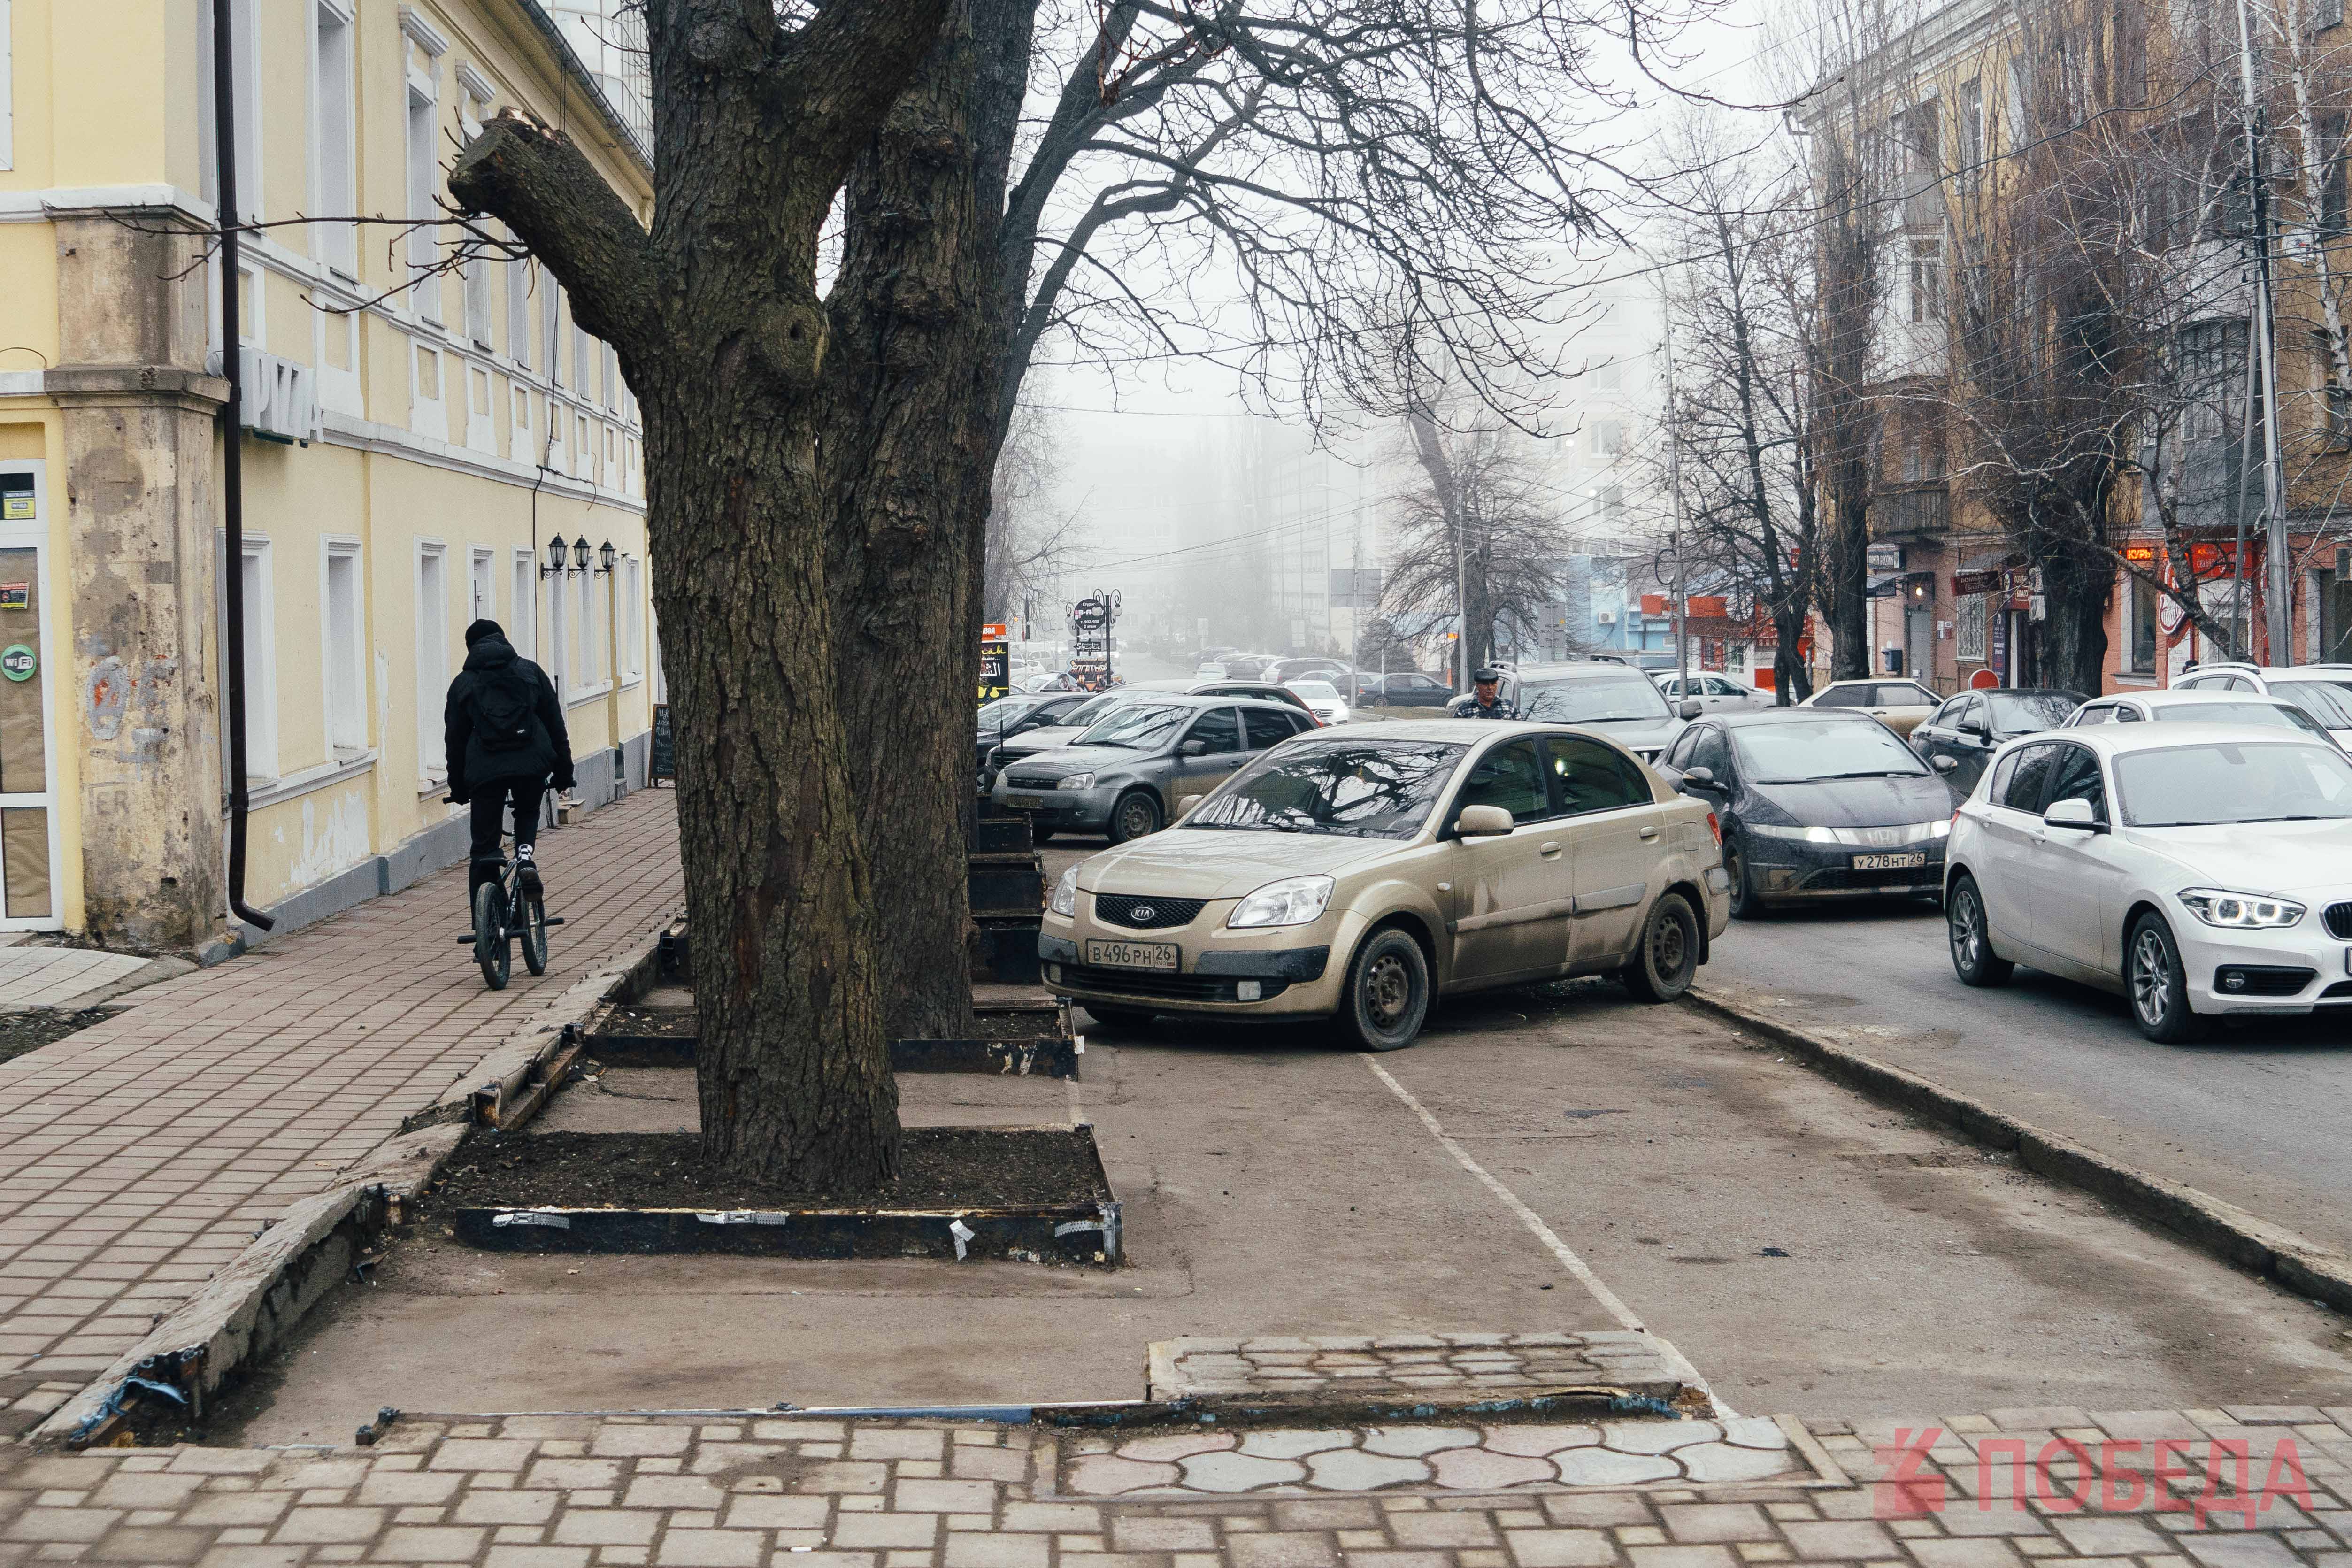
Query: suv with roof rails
x=2322 y=690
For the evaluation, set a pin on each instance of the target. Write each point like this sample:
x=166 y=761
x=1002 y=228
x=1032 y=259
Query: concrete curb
x=2242 y=1239
x=253 y=1304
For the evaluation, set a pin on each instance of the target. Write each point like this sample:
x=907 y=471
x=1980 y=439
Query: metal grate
x=1015 y=781
x=1143 y=913
x=2264 y=980
x=2339 y=921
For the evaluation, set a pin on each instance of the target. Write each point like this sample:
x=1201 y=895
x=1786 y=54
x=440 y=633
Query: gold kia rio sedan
x=1358 y=875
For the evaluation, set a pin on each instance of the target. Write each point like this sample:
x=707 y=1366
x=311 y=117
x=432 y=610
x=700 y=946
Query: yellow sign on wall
x=15 y=508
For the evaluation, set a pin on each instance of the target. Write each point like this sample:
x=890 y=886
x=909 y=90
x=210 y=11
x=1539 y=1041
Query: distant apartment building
x=413 y=444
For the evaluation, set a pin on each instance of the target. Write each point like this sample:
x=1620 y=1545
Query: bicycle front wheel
x=534 y=935
x=491 y=950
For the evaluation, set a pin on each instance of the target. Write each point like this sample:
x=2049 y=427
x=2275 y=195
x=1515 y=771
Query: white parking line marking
x=1576 y=1266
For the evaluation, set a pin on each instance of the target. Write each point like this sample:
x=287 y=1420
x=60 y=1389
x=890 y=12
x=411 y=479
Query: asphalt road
x=2255 y=1115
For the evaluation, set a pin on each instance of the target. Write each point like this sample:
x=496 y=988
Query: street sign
x=995 y=666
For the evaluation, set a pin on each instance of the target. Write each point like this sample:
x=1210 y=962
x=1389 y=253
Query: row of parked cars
x=2191 y=848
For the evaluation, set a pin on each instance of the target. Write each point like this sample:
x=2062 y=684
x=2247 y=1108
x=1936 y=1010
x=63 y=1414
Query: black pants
x=490 y=798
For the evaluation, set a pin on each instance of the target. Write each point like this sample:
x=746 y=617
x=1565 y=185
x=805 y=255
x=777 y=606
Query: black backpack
x=503 y=701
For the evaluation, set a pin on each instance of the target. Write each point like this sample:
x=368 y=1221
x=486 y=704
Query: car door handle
x=1648 y=833
x=1548 y=851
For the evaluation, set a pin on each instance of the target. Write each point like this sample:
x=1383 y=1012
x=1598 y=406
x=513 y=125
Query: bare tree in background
x=1483 y=518
x=1738 y=305
x=1028 y=541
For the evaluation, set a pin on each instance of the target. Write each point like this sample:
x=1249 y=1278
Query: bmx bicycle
x=505 y=913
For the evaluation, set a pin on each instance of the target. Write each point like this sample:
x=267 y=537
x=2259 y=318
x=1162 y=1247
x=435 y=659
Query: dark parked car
x=1315 y=666
x=1959 y=738
x=1814 y=804
x=1404 y=688
x=1017 y=715
x=1260 y=689
x=1129 y=774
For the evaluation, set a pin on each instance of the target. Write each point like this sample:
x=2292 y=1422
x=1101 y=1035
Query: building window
x=1972 y=127
x=432 y=656
x=482 y=586
x=260 y=663
x=556 y=654
x=244 y=73
x=1926 y=279
x=633 y=616
x=523 y=622
x=518 y=312
x=334 y=191
x=1608 y=438
x=600 y=597
x=577 y=631
x=1970 y=642
x=550 y=336
x=345 y=653
x=1608 y=376
x=2140 y=638
x=424 y=172
x=472 y=108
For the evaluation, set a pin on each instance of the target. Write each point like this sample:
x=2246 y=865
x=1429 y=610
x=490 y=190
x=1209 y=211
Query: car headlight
x=1290 y=903
x=1064 y=901
x=1806 y=834
x=2240 y=911
x=1939 y=828
x=1077 y=780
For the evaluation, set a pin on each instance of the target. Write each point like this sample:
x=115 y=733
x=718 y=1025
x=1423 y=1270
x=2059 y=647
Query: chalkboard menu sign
x=664 y=750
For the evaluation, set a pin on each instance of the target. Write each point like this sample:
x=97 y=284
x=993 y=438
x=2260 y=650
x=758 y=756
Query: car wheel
x=1668 y=959
x=1745 y=904
x=1386 y=1000
x=1973 y=959
x=2157 y=986
x=1136 y=816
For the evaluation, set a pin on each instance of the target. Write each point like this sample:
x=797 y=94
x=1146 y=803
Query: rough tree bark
x=918 y=340
x=716 y=319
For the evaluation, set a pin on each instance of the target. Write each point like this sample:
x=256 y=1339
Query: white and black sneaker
x=527 y=872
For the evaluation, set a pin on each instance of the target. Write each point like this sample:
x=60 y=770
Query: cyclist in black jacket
x=505 y=740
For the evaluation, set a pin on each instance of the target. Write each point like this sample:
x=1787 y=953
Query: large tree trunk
x=2072 y=647
x=1845 y=561
x=716 y=322
x=918 y=339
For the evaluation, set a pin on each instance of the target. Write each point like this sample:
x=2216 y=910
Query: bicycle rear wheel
x=491 y=950
x=534 y=934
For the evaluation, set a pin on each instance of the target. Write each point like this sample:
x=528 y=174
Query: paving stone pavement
x=36 y=976
x=140 y=1154
x=570 y=1491
x=1443 y=1368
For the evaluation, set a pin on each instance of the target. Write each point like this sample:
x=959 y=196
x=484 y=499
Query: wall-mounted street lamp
x=580 y=553
x=556 y=553
x=605 y=552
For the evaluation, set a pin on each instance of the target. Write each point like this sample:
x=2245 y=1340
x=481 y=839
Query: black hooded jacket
x=547 y=755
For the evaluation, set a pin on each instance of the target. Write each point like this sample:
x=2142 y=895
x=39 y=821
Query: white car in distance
x=1714 y=693
x=2200 y=870
x=1322 y=697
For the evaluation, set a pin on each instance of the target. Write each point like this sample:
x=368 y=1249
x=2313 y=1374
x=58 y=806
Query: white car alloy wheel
x=2157 y=986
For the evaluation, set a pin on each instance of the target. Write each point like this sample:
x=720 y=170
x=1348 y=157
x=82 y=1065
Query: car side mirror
x=1689 y=708
x=1194 y=749
x=1945 y=765
x=1483 y=822
x=1974 y=727
x=1184 y=805
x=1701 y=778
x=2074 y=814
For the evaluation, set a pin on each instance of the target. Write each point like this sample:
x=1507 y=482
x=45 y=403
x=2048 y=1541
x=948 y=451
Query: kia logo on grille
x=1143 y=911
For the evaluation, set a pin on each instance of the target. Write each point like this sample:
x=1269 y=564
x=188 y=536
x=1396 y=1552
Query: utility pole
x=2278 y=621
x=1675 y=493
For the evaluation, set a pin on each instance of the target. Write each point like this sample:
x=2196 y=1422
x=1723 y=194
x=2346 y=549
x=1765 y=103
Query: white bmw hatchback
x=2200 y=870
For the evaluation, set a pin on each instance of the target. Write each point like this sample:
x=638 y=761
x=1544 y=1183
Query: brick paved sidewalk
x=138 y=1155
x=557 y=1491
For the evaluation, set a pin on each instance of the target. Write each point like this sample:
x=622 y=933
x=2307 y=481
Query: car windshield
x=1316 y=691
x=1087 y=712
x=2324 y=700
x=2196 y=786
x=1799 y=751
x=1379 y=789
x=1140 y=727
x=1614 y=699
x=2264 y=715
x=1005 y=710
x=2020 y=711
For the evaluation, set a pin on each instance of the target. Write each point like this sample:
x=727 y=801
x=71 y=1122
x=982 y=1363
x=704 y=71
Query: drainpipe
x=232 y=465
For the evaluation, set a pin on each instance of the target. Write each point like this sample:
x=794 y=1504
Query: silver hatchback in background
x=1126 y=774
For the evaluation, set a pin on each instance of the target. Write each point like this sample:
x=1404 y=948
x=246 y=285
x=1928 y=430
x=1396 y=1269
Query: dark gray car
x=1126 y=775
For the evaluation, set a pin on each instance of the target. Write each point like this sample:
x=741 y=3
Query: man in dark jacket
x=505 y=738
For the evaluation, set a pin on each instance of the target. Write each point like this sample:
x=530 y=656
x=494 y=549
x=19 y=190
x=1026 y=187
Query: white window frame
x=431 y=659
x=420 y=131
x=481 y=427
x=260 y=661
x=550 y=334
x=633 y=596
x=334 y=136
x=519 y=313
x=474 y=107
x=347 y=721
x=522 y=624
x=430 y=416
x=580 y=631
x=481 y=585
x=1608 y=438
x=556 y=654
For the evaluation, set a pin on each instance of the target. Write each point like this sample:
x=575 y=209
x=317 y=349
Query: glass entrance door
x=29 y=899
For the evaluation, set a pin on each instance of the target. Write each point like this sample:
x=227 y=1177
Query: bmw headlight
x=1290 y=903
x=1064 y=901
x=2240 y=911
x=1077 y=780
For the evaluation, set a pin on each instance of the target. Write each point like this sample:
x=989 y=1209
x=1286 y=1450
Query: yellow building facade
x=414 y=439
